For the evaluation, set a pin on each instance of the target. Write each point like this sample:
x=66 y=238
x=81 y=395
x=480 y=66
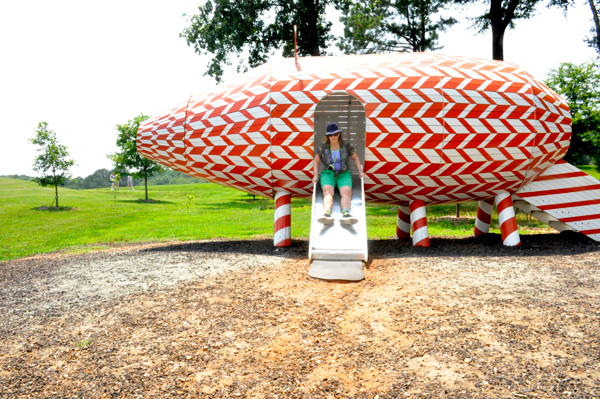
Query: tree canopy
x=579 y=84
x=53 y=162
x=127 y=159
x=255 y=28
x=393 y=25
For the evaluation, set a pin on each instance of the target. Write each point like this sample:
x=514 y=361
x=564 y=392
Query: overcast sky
x=85 y=66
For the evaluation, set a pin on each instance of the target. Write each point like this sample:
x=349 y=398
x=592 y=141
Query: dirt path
x=464 y=318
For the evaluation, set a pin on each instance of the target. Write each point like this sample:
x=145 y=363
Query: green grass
x=101 y=217
x=84 y=343
x=590 y=170
x=442 y=221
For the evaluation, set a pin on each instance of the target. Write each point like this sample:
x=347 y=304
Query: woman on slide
x=335 y=154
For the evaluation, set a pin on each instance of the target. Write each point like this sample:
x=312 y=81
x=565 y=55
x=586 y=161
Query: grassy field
x=102 y=216
x=590 y=170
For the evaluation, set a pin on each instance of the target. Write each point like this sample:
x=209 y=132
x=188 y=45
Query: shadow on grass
x=381 y=210
x=566 y=243
x=247 y=203
x=54 y=208
x=434 y=211
x=150 y=201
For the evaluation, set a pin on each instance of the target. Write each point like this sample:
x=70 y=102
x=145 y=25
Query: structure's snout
x=223 y=136
x=162 y=138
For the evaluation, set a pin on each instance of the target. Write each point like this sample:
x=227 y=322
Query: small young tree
x=52 y=163
x=127 y=158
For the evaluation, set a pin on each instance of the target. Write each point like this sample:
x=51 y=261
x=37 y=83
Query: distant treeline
x=101 y=179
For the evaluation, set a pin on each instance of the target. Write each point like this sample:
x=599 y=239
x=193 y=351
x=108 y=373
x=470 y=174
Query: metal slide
x=337 y=251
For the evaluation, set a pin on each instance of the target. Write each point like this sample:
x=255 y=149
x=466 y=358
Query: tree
x=226 y=27
x=594 y=39
x=128 y=158
x=99 y=179
x=52 y=162
x=579 y=85
x=502 y=14
x=393 y=25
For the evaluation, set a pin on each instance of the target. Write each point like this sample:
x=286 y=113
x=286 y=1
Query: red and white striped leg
x=507 y=221
x=403 y=223
x=484 y=217
x=418 y=220
x=283 y=220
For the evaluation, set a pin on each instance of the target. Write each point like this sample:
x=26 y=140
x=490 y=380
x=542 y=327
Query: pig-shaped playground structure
x=429 y=128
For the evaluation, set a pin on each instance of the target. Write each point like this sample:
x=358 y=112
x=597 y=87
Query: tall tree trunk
x=500 y=18
x=597 y=23
x=313 y=6
x=56 y=191
x=423 y=16
x=498 y=28
x=498 y=43
x=146 y=182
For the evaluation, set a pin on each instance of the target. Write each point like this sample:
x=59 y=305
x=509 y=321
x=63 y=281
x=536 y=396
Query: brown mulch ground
x=465 y=318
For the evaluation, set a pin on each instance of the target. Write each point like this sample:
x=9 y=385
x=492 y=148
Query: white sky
x=84 y=68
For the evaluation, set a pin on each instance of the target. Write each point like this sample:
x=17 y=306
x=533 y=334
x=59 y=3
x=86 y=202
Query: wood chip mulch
x=465 y=318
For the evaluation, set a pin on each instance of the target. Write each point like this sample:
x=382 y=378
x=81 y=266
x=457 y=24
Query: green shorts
x=343 y=179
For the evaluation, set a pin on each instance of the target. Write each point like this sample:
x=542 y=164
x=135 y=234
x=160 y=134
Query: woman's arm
x=358 y=166
x=316 y=168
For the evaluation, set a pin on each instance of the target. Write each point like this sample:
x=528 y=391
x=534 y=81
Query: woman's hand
x=315 y=178
x=361 y=173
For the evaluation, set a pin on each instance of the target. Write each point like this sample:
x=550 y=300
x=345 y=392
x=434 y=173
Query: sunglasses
x=334 y=134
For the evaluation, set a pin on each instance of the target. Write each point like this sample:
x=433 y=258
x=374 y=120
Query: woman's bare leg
x=346 y=193
x=327 y=197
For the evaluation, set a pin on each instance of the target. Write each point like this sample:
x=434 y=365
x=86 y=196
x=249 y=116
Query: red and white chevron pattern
x=568 y=194
x=221 y=136
x=553 y=127
x=439 y=128
x=162 y=138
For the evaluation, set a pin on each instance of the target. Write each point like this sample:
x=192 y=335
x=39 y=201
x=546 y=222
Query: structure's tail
x=565 y=198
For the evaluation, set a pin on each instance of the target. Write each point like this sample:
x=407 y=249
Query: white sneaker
x=348 y=219
x=326 y=219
